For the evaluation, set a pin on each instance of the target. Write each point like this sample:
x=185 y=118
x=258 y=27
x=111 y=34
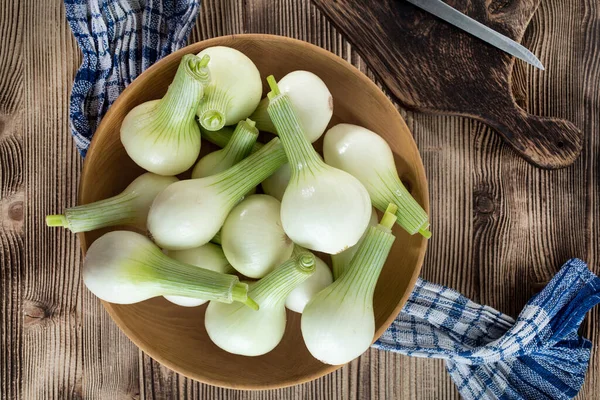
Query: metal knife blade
x=477 y=29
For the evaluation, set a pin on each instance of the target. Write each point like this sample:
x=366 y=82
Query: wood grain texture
x=432 y=66
x=11 y=200
x=501 y=226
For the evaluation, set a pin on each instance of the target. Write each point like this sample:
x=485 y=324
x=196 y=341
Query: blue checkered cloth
x=488 y=354
x=119 y=39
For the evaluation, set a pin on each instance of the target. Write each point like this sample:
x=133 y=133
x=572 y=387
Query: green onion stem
x=410 y=214
x=298 y=149
x=245 y=175
x=278 y=284
x=242 y=141
x=179 y=279
x=212 y=112
x=364 y=269
x=181 y=101
x=223 y=136
x=117 y=210
x=57 y=220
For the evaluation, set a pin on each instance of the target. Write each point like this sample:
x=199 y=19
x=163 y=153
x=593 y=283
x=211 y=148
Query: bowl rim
x=420 y=172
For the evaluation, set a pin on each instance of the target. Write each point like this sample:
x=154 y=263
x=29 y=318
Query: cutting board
x=431 y=66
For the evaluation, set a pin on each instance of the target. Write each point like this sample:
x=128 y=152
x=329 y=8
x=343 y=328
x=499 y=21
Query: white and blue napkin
x=488 y=354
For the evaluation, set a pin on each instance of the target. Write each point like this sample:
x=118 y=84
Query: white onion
x=323 y=208
x=338 y=323
x=234 y=90
x=162 y=136
x=240 y=330
x=311 y=100
x=368 y=157
x=252 y=237
x=125 y=267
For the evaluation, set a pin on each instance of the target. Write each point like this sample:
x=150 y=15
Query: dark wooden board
x=432 y=66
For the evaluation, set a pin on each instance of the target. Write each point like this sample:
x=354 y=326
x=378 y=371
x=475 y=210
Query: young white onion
x=234 y=90
x=301 y=295
x=189 y=213
x=240 y=330
x=241 y=144
x=338 y=323
x=311 y=100
x=209 y=256
x=341 y=260
x=125 y=267
x=162 y=136
x=368 y=157
x=130 y=207
x=252 y=237
x=323 y=208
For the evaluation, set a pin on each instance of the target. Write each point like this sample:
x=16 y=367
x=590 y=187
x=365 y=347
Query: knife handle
x=550 y=143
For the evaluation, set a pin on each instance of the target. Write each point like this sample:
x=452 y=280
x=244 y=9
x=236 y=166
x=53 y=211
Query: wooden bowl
x=175 y=336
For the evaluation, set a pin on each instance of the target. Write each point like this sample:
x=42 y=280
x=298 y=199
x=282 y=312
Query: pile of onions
x=252 y=257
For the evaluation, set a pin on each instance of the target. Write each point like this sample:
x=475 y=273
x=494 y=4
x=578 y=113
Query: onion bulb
x=125 y=267
x=368 y=157
x=240 y=330
x=210 y=256
x=130 y=207
x=301 y=295
x=234 y=90
x=323 y=208
x=338 y=323
x=189 y=213
x=162 y=136
x=311 y=100
x=252 y=237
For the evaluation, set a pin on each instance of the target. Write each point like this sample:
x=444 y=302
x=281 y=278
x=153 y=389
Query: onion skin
x=252 y=237
x=312 y=102
x=234 y=91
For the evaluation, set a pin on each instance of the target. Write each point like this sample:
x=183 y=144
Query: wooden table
x=501 y=227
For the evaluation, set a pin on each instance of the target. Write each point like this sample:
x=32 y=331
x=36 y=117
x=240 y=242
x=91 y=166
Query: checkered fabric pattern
x=119 y=39
x=488 y=354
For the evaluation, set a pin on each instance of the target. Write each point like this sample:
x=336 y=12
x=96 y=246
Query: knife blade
x=477 y=29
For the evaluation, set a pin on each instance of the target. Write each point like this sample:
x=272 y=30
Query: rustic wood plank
x=11 y=199
x=51 y=340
